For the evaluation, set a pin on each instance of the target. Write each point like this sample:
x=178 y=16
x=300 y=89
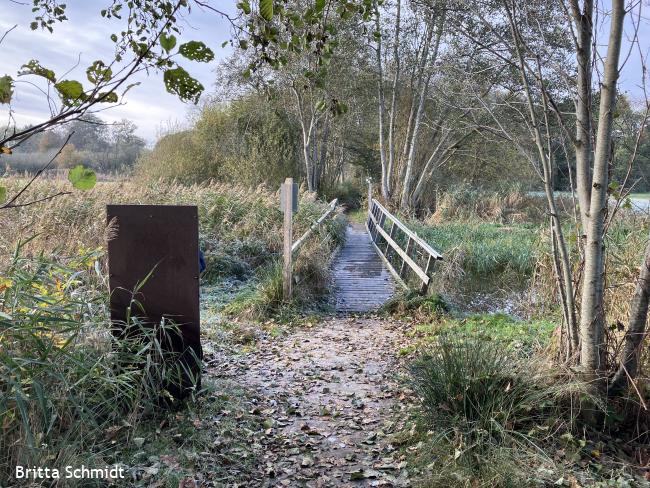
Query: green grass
x=520 y=336
x=487 y=250
x=490 y=415
x=358 y=216
x=65 y=380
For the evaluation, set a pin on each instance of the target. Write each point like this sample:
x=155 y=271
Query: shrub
x=245 y=142
x=413 y=302
x=349 y=194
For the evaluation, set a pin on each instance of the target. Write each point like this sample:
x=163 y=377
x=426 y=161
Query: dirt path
x=330 y=400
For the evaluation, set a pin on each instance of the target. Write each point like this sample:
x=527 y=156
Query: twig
x=10 y=203
x=7 y=32
x=44 y=199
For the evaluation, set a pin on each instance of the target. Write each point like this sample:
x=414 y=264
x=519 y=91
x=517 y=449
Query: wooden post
x=407 y=250
x=287 y=269
x=391 y=234
x=427 y=270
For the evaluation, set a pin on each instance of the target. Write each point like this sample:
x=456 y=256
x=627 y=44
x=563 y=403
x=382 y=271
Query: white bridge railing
x=405 y=254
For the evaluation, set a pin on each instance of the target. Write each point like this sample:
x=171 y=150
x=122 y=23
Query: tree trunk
x=636 y=330
x=405 y=201
x=417 y=79
x=382 y=111
x=545 y=155
x=583 y=147
x=393 y=103
x=592 y=316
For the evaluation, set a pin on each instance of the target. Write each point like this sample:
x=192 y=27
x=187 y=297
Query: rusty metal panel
x=161 y=240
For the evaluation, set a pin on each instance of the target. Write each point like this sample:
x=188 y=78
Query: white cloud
x=85 y=38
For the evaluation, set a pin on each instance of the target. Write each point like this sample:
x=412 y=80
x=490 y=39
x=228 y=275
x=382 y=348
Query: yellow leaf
x=5 y=283
x=5 y=150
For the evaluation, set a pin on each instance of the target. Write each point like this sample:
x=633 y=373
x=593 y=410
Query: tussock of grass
x=413 y=303
x=485 y=416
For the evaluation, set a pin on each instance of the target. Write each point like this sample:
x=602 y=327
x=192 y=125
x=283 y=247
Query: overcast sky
x=87 y=36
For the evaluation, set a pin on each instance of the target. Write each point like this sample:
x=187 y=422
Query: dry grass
x=234 y=221
x=507 y=206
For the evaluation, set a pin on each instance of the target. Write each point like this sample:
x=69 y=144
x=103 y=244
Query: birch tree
x=409 y=71
x=528 y=47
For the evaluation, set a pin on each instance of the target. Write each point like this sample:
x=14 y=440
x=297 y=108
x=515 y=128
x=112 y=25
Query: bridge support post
x=424 y=289
x=287 y=267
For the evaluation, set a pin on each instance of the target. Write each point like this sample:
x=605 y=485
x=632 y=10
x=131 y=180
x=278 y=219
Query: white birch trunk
x=592 y=316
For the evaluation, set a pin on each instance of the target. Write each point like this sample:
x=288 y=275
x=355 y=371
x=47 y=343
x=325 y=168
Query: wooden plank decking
x=362 y=282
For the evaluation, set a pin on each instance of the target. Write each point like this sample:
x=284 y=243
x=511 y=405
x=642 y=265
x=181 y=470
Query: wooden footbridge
x=375 y=260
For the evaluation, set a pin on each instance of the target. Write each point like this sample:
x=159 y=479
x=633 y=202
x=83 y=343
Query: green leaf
x=6 y=89
x=3 y=194
x=196 y=51
x=98 y=73
x=179 y=82
x=35 y=68
x=70 y=91
x=320 y=6
x=82 y=178
x=266 y=9
x=110 y=97
x=167 y=42
x=245 y=6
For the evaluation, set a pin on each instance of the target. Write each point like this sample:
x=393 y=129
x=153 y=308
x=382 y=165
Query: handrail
x=377 y=216
x=413 y=235
x=296 y=245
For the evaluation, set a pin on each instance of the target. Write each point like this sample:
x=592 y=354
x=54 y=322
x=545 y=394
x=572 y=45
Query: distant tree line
x=104 y=147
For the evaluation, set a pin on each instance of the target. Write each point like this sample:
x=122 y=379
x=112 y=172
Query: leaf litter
x=328 y=398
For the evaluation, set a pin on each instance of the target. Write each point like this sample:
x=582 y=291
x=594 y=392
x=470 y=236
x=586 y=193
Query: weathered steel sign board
x=158 y=244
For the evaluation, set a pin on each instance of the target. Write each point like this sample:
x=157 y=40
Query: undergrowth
x=491 y=415
x=65 y=378
x=240 y=231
